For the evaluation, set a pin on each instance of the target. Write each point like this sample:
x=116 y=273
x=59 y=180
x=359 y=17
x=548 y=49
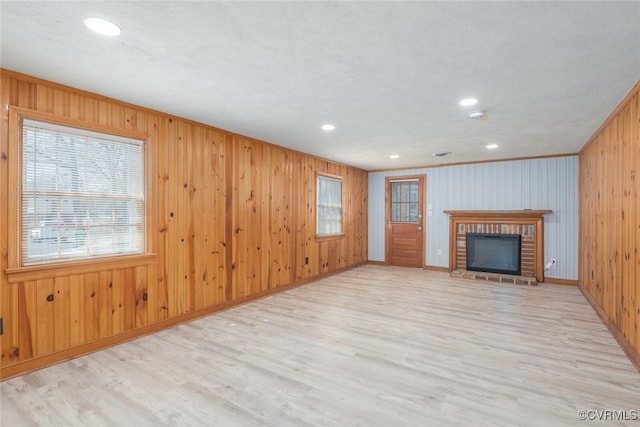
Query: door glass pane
x=404 y=201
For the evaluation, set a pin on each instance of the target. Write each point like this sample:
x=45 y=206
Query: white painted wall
x=550 y=183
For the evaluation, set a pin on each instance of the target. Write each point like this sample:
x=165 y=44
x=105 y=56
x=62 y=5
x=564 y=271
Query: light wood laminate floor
x=374 y=346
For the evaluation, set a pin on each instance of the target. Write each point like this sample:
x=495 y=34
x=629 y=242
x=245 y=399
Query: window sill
x=330 y=236
x=47 y=271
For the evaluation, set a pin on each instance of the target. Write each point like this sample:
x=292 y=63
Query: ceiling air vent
x=441 y=153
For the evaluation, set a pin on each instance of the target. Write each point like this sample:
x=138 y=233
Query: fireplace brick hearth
x=495 y=277
x=527 y=242
x=528 y=224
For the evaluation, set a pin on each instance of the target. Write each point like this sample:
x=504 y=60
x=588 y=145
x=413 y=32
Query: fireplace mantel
x=522 y=214
x=520 y=217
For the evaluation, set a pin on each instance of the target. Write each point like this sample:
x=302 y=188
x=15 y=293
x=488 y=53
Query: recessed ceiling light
x=468 y=102
x=492 y=146
x=102 y=26
x=328 y=127
x=394 y=156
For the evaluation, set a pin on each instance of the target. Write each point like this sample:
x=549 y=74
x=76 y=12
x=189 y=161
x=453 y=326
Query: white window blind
x=329 y=205
x=82 y=194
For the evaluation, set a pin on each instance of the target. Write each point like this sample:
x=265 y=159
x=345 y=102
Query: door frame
x=422 y=186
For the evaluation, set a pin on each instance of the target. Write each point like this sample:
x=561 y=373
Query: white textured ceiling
x=389 y=75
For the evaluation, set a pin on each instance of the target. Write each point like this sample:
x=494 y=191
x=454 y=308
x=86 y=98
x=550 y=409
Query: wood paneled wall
x=232 y=219
x=610 y=223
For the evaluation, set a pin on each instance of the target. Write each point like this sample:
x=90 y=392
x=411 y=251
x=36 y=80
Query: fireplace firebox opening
x=493 y=253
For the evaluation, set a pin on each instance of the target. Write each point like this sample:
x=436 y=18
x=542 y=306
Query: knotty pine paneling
x=231 y=218
x=610 y=222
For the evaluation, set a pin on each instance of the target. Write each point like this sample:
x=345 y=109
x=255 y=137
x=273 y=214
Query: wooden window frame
x=16 y=269
x=332 y=235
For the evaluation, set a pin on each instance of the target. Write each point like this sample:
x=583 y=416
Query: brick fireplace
x=529 y=224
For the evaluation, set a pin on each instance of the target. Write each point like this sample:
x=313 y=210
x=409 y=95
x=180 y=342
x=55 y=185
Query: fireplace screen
x=493 y=253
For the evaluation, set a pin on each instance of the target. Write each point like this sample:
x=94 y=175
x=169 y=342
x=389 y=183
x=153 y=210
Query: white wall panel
x=549 y=183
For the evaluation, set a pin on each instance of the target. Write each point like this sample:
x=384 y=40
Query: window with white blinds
x=329 y=206
x=82 y=194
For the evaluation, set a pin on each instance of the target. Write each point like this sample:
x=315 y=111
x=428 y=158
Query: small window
x=329 y=205
x=82 y=194
x=404 y=201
